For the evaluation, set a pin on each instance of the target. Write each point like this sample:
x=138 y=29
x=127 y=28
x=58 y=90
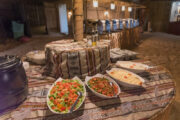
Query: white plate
x=125 y=83
x=126 y=64
x=98 y=94
x=58 y=80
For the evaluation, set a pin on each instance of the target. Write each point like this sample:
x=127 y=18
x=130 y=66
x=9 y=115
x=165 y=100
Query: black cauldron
x=13 y=83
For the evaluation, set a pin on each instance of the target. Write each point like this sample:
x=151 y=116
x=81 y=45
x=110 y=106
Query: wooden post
x=134 y=13
x=78 y=20
x=127 y=14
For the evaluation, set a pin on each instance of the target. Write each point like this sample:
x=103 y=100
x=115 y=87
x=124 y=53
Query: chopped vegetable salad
x=64 y=94
x=103 y=86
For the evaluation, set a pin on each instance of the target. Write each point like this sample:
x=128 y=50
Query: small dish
x=126 y=78
x=132 y=66
x=88 y=78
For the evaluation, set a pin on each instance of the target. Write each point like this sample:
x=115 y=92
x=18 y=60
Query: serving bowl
x=122 y=82
x=132 y=66
x=83 y=95
x=88 y=78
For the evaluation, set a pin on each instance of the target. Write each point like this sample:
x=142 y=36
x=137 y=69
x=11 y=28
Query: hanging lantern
x=112 y=6
x=123 y=8
x=129 y=9
x=69 y=13
x=106 y=13
x=95 y=3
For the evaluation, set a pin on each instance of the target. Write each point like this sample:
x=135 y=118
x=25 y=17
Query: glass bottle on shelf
x=93 y=38
x=96 y=35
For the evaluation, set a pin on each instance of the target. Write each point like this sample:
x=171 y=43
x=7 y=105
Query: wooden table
x=152 y=102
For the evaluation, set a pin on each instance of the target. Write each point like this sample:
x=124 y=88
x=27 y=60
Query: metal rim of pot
x=9 y=62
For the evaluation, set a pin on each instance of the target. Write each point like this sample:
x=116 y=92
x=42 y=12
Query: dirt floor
x=36 y=43
x=164 y=49
x=9 y=44
x=160 y=48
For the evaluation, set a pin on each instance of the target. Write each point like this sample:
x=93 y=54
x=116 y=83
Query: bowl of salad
x=64 y=93
x=103 y=86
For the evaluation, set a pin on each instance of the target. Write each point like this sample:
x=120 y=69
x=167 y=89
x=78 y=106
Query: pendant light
x=129 y=9
x=123 y=8
x=95 y=3
x=106 y=13
x=112 y=5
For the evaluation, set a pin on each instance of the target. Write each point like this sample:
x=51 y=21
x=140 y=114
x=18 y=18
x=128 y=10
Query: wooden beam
x=78 y=19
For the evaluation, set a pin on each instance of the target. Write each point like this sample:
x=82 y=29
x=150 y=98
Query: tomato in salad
x=64 y=94
x=103 y=86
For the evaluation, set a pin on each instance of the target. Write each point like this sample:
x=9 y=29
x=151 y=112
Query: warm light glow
x=178 y=9
x=123 y=8
x=69 y=13
x=106 y=13
x=130 y=9
x=112 y=6
x=95 y=3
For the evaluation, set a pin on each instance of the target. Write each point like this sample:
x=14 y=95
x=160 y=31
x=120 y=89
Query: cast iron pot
x=13 y=83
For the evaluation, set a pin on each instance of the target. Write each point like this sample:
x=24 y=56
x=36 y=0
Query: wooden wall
x=6 y=9
x=51 y=13
x=34 y=15
x=104 y=5
x=41 y=16
x=7 y=14
x=29 y=12
x=158 y=13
